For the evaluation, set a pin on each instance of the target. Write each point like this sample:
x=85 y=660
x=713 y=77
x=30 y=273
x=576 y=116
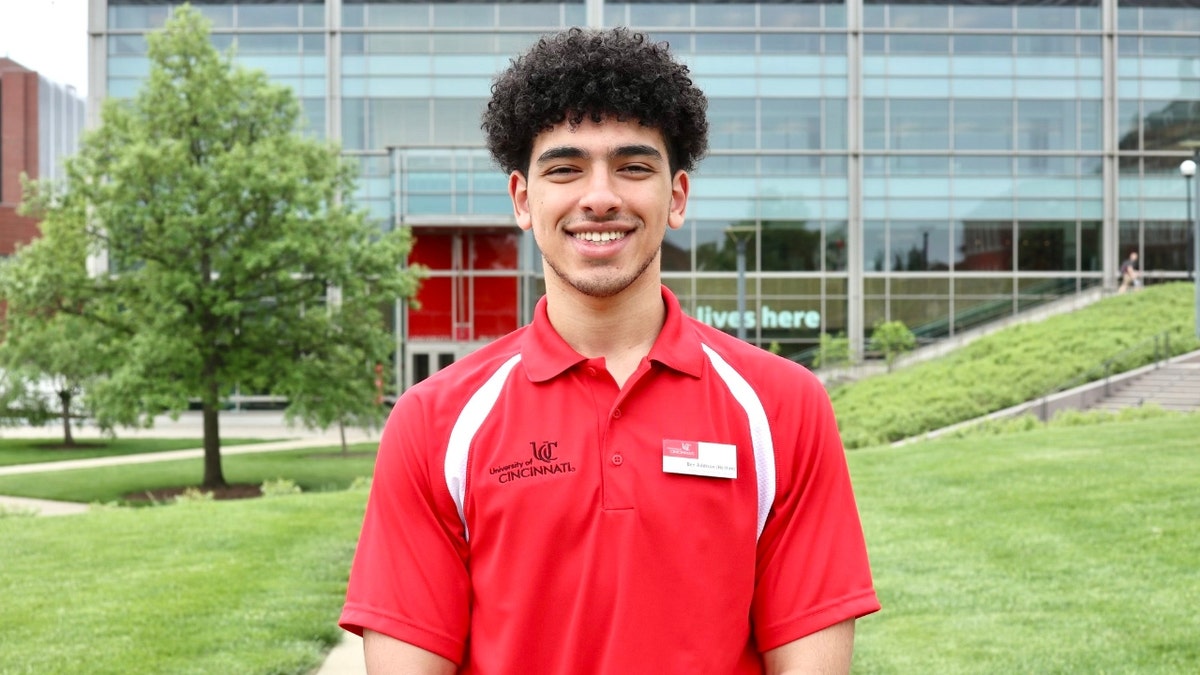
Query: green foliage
x=832 y=351
x=279 y=487
x=193 y=495
x=1064 y=418
x=7 y=511
x=1061 y=550
x=236 y=260
x=50 y=354
x=1015 y=365
x=893 y=338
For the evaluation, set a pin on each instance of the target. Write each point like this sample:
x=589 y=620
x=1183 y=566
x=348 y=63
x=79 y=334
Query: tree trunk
x=214 y=477
x=64 y=398
x=342 y=429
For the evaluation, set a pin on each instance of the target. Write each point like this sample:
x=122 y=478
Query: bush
x=279 y=487
x=193 y=495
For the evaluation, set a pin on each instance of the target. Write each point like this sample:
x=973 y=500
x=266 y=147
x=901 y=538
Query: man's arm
x=825 y=652
x=387 y=655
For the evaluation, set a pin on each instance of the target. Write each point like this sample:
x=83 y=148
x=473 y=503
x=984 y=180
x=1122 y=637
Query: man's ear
x=518 y=191
x=680 y=187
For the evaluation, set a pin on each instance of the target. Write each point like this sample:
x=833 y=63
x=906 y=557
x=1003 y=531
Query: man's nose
x=600 y=197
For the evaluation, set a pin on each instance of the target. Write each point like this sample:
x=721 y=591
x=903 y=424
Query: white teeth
x=599 y=237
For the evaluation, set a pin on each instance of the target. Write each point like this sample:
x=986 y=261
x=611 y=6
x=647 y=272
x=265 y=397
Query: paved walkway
x=347 y=657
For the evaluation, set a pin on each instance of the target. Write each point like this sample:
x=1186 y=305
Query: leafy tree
x=893 y=338
x=47 y=344
x=232 y=258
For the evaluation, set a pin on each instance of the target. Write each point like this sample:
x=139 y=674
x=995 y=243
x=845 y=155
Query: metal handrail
x=1162 y=353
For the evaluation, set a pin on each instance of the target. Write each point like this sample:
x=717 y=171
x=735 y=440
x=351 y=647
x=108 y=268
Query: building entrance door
x=425 y=359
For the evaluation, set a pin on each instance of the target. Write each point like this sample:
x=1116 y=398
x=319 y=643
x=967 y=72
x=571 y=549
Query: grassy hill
x=1015 y=365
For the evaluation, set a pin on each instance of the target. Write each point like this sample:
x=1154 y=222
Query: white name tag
x=697 y=458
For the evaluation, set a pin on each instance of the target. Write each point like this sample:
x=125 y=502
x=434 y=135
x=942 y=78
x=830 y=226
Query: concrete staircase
x=1174 y=386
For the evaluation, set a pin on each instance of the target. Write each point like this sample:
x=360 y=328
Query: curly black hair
x=591 y=73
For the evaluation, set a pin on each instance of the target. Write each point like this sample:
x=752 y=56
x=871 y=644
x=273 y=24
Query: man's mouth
x=598 y=237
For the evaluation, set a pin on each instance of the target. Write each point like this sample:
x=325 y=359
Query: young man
x=615 y=488
x=1129 y=273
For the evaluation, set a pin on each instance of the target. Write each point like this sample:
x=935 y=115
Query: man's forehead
x=608 y=136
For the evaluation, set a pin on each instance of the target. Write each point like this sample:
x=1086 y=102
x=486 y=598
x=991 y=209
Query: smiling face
x=599 y=198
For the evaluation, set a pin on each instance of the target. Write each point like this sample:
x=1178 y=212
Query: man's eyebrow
x=573 y=152
x=626 y=151
x=562 y=152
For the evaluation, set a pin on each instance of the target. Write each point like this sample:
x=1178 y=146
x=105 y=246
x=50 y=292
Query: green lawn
x=313 y=469
x=1058 y=550
x=243 y=587
x=35 y=450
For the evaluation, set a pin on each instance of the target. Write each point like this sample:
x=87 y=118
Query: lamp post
x=740 y=234
x=1188 y=170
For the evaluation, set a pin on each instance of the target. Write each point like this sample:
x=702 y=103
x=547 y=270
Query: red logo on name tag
x=689 y=449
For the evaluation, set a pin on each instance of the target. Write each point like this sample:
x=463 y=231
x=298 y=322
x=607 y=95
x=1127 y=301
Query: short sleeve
x=812 y=569
x=409 y=578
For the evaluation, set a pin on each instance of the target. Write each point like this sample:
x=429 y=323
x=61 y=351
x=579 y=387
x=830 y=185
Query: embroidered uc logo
x=544 y=451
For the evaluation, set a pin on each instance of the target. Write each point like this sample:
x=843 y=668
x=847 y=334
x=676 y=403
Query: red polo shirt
x=527 y=516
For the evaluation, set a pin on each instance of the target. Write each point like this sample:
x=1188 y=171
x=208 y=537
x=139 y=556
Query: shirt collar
x=545 y=355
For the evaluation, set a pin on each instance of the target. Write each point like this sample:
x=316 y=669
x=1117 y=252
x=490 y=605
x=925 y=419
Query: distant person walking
x=1130 y=275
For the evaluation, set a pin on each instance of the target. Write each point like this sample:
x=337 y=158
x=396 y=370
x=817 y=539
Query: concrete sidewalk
x=344 y=659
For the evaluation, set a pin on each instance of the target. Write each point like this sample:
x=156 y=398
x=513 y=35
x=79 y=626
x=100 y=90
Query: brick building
x=40 y=124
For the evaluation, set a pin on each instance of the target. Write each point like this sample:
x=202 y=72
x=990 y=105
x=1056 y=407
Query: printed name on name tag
x=698 y=458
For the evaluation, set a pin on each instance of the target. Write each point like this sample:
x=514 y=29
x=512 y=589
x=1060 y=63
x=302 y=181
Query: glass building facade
x=939 y=163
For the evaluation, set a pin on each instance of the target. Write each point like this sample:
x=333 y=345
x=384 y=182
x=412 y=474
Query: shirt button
x=591 y=371
x=617 y=414
x=618 y=460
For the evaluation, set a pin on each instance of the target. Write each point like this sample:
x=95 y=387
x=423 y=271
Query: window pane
x=975 y=16
x=724 y=15
x=464 y=15
x=1045 y=125
x=919 y=16
x=919 y=124
x=983 y=125
x=791 y=245
x=353 y=110
x=268 y=43
x=983 y=44
x=731 y=123
x=1046 y=18
x=1046 y=246
x=660 y=15
x=791 y=124
x=399 y=16
x=919 y=44
x=1168 y=246
x=790 y=15
x=456 y=121
x=268 y=16
x=221 y=16
x=918 y=246
x=835 y=246
x=875 y=256
x=983 y=246
x=398 y=122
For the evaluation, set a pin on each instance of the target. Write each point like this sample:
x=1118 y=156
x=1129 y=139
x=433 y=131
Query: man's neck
x=621 y=328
